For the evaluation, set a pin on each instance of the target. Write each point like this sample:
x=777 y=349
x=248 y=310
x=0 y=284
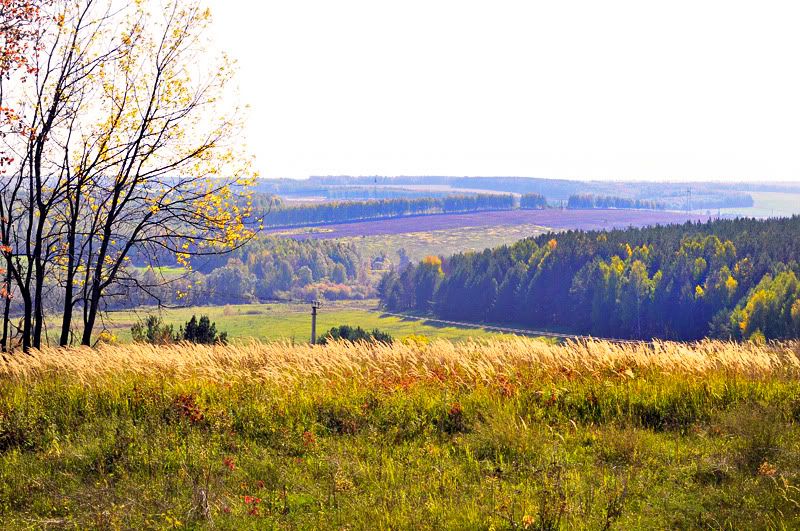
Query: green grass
x=292 y=321
x=153 y=452
x=162 y=272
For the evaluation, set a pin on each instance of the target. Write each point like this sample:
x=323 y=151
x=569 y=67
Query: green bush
x=348 y=333
x=155 y=332
x=203 y=332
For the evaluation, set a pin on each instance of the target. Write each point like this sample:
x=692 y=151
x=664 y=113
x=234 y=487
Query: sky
x=689 y=90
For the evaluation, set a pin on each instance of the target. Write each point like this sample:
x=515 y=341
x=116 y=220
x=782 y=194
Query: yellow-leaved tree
x=139 y=149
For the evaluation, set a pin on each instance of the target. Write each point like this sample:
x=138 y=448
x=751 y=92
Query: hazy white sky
x=591 y=89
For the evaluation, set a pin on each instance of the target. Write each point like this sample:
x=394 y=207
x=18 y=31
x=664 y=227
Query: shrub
x=348 y=333
x=152 y=330
x=203 y=332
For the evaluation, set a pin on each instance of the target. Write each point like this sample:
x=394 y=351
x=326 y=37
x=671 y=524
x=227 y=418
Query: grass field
x=506 y=434
x=418 y=245
x=291 y=321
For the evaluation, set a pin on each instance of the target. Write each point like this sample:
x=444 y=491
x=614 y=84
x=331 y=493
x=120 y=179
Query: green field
x=290 y=321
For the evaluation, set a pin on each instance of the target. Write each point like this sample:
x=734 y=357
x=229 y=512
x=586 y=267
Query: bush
x=153 y=331
x=348 y=333
x=203 y=332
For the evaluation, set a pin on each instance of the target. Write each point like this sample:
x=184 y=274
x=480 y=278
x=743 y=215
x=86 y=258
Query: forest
x=673 y=195
x=266 y=268
x=731 y=279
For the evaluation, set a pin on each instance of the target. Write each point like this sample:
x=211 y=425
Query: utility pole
x=315 y=305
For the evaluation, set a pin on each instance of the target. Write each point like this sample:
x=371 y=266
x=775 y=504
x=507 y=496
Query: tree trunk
x=91 y=317
x=27 y=322
x=38 y=306
x=6 y=309
x=66 y=319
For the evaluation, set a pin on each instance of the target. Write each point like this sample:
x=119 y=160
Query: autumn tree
x=20 y=26
x=131 y=156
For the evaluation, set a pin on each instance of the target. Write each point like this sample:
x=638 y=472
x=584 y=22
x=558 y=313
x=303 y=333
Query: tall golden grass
x=470 y=363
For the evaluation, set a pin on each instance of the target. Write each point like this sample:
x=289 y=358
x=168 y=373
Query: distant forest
x=733 y=279
x=278 y=213
x=673 y=196
x=266 y=268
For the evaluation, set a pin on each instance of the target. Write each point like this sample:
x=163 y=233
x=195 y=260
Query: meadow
x=418 y=245
x=484 y=434
x=290 y=321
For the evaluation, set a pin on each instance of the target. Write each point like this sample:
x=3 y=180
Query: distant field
x=291 y=321
x=554 y=219
x=443 y=242
x=768 y=205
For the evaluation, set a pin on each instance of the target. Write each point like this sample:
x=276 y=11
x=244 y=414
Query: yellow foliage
x=699 y=293
x=433 y=261
x=415 y=340
x=731 y=285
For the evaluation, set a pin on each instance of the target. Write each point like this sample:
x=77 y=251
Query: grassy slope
x=293 y=321
x=436 y=242
x=501 y=435
x=443 y=242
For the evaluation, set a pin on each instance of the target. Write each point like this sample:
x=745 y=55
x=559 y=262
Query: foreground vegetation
x=511 y=434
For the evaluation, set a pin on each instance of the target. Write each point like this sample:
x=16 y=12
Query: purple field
x=553 y=219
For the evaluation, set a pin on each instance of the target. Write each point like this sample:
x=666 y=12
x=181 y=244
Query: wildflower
x=527 y=521
x=767 y=469
x=309 y=439
x=229 y=463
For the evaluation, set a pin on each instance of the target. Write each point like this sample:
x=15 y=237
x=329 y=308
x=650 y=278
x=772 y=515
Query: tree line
x=532 y=202
x=733 y=279
x=285 y=215
x=675 y=195
x=591 y=201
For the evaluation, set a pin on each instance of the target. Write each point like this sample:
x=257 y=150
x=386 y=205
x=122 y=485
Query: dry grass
x=503 y=434
x=467 y=364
